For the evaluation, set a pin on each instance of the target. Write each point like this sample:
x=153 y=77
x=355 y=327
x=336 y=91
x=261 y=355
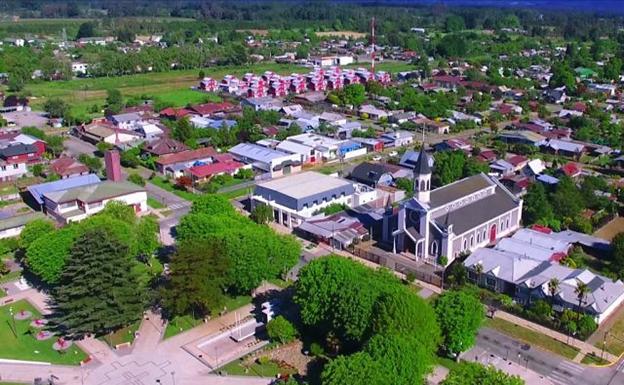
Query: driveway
x=75 y=147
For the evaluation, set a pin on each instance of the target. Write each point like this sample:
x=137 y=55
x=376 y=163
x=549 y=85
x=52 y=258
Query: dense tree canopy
x=255 y=252
x=98 y=291
x=470 y=373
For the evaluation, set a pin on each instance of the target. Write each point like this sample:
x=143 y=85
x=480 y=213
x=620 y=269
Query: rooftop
x=302 y=185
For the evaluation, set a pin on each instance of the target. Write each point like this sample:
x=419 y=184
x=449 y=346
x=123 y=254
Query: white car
x=377 y=158
x=393 y=153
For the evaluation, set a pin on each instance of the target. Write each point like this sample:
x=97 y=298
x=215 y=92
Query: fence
x=420 y=270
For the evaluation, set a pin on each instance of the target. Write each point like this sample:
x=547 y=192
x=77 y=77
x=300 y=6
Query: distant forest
x=326 y=15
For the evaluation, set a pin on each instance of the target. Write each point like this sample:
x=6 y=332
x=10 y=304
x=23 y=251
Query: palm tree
x=478 y=268
x=553 y=288
x=581 y=292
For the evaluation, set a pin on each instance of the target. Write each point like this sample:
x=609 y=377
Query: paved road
x=75 y=146
x=554 y=368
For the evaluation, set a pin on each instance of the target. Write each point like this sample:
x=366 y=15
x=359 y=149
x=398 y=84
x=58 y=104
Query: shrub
x=281 y=330
x=316 y=349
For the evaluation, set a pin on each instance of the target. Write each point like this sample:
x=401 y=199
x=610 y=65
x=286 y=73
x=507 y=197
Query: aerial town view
x=311 y=192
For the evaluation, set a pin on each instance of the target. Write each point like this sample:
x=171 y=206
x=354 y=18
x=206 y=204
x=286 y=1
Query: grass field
x=26 y=346
x=531 y=337
x=81 y=94
x=183 y=97
x=122 y=335
x=615 y=338
x=164 y=184
x=236 y=193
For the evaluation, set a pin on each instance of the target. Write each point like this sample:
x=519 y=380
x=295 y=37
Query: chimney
x=113 y=167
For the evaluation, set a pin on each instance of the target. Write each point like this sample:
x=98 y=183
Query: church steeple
x=422 y=177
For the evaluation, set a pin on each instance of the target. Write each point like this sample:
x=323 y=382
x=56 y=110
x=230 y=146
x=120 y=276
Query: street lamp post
x=13 y=328
x=173 y=377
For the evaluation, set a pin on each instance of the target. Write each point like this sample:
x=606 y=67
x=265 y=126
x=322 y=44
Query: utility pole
x=373 y=46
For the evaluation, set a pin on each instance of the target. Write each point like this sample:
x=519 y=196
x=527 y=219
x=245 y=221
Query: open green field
x=182 y=97
x=388 y=66
x=531 y=337
x=615 y=338
x=25 y=346
x=81 y=94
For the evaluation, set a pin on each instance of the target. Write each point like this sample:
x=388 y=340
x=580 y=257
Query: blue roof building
x=38 y=190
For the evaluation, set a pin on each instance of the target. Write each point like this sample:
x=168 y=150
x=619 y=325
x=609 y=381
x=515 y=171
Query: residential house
x=12 y=226
x=175 y=164
x=432 y=125
x=265 y=103
x=563 y=147
x=149 y=131
x=37 y=191
x=77 y=203
x=378 y=174
x=397 y=139
x=67 y=167
x=101 y=132
x=371 y=144
x=125 y=121
x=164 y=146
x=373 y=112
x=522 y=266
x=208 y=110
x=272 y=163
x=224 y=164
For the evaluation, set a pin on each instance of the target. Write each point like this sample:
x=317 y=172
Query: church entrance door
x=493 y=233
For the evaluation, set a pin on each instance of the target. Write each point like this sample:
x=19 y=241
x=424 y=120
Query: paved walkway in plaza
x=584 y=347
x=150 y=360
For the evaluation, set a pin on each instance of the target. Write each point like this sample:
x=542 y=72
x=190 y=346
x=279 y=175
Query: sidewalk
x=584 y=347
x=149 y=334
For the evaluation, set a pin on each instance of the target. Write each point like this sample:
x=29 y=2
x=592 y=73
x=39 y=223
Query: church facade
x=454 y=219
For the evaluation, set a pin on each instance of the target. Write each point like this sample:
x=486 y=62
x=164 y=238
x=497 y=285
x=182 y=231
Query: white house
x=78 y=203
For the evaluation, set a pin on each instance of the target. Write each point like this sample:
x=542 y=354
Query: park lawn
x=27 y=347
x=183 y=323
x=122 y=335
x=166 y=185
x=182 y=97
x=235 y=193
x=389 y=66
x=154 y=203
x=615 y=339
x=12 y=276
x=267 y=369
x=531 y=337
x=590 y=359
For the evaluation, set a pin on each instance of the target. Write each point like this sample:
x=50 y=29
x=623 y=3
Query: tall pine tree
x=98 y=291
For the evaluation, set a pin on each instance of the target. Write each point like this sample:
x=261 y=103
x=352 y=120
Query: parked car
x=393 y=153
x=377 y=158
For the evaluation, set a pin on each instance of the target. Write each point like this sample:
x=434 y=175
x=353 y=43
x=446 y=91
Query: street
x=494 y=345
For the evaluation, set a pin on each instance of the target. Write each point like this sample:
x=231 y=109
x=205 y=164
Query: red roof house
x=174 y=113
x=67 y=167
x=571 y=169
x=209 y=109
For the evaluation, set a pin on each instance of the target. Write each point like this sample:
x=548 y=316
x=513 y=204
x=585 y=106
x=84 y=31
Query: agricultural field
x=82 y=94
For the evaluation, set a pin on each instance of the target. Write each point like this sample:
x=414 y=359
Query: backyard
x=531 y=337
x=21 y=343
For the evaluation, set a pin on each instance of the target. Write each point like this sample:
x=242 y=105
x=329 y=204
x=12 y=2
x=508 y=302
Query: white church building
x=457 y=218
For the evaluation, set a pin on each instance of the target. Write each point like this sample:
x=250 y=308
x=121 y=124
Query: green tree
x=212 y=204
x=569 y=199
x=536 y=207
x=617 y=254
x=460 y=316
x=98 y=292
x=35 y=230
x=183 y=130
x=262 y=214
x=401 y=313
x=454 y=23
x=46 y=255
x=56 y=107
x=470 y=373
x=94 y=164
x=54 y=144
x=281 y=330
x=354 y=94
x=114 y=101
x=197 y=278
x=405 y=184
x=86 y=29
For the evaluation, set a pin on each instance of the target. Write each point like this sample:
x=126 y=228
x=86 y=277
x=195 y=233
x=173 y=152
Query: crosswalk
x=177 y=206
x=566 y=373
